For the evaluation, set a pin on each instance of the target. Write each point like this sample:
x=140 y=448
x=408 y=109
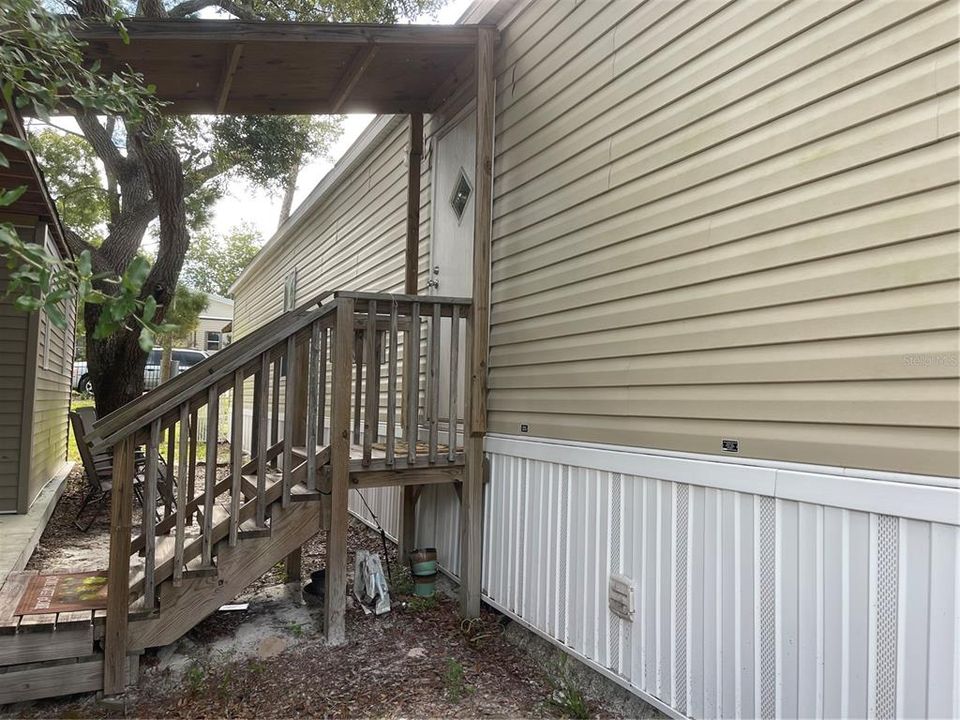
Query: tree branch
x=102 y=142
x=188 y=7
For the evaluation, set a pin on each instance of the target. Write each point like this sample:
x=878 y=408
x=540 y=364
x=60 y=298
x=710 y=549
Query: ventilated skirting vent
x=680 y=598
x=766 y=555
x=888 y=550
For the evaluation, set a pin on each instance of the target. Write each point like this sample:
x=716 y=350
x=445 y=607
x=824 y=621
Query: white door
x=451 y=254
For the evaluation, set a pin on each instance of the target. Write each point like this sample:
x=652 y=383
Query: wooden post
x=336 y=598
x=478 y=334
x=121 y=525
x=292 y=564
x=412 y=261
x=408 y=522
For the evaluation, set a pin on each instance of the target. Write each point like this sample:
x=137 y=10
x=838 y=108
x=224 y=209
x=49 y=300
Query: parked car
x=151 y=373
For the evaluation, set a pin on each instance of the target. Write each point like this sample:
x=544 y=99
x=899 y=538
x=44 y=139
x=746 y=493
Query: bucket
x=424 y=585
x=423 y=568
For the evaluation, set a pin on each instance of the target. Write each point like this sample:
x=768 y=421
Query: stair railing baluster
x=358 y=386
x=275 y=406
x=413 y=374
x=262 y=390
x=322 y=389
x=192 y=469
x=313 y=394
x=370 y=414
x=289 y=403
x=434 y=431
x=452 y=382
x=149 y=519
x=210 y=474
x=236 y=456
x=171 y=478
x=392 y=387
x=182 y=460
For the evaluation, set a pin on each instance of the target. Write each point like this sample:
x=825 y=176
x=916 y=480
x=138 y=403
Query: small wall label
x=730 y=446
x=524 y=428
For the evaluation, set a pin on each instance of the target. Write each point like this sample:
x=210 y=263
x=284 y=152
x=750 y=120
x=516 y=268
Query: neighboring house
x=211 y=334
x=35 y=356
x=723 y=355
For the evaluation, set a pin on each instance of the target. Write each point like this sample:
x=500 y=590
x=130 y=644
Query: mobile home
x=722 y=412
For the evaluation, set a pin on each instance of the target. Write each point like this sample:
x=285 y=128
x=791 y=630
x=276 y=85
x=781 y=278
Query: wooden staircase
x=346 y=393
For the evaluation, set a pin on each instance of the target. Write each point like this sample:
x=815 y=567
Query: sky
x=246 y=203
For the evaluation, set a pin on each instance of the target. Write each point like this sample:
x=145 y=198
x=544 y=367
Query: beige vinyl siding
x=13 y=354
x=730 y=220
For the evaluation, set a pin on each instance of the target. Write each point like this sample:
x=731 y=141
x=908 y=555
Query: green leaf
x=27 y=303
x=16 y=142
x=146 y=339
x=56 y=317
x=149 y=308
x=9 y=197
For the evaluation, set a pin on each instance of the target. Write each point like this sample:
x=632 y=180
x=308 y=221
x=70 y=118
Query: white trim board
x=933 y=499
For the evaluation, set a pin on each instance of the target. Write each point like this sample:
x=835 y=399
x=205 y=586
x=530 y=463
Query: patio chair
x=98 y=469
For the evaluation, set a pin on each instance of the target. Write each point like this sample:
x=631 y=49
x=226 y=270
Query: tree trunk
x=289 y=189
x=116 y=364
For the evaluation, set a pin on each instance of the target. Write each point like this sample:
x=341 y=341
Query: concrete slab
x=21 y=533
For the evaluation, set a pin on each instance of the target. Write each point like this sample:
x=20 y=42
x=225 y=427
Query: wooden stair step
x=249 y=483
x=196 y=568
x=250 y=529
x=301 y=493
x=221 y=530
x=166 y=545
x=219 y=514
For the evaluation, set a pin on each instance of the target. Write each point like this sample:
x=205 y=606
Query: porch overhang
x=263 y=68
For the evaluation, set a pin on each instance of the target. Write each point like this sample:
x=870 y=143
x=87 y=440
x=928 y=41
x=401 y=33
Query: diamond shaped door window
x=461 y=195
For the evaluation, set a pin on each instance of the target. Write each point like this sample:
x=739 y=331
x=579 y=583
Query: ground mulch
x=419 y=660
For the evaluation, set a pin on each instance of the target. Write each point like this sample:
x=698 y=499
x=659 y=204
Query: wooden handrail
x=136 y=415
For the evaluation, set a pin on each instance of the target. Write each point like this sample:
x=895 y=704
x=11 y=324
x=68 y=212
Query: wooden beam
x=475 y=412
x=226 y=82
x=412 y=256
x=378 y=475
x=118 y=570
x=241 y=31
x=336 y=598
x=351 y=76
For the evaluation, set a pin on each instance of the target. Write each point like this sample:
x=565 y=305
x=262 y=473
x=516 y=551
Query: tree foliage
x=214 y=262
x=73 y=175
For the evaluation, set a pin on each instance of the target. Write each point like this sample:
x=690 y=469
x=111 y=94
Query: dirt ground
x=419 y=660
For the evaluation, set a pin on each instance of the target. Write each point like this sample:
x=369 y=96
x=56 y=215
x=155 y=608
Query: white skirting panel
x=747 y=604
x=385 y=504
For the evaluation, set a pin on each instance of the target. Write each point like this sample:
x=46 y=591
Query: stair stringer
x=181 y=608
